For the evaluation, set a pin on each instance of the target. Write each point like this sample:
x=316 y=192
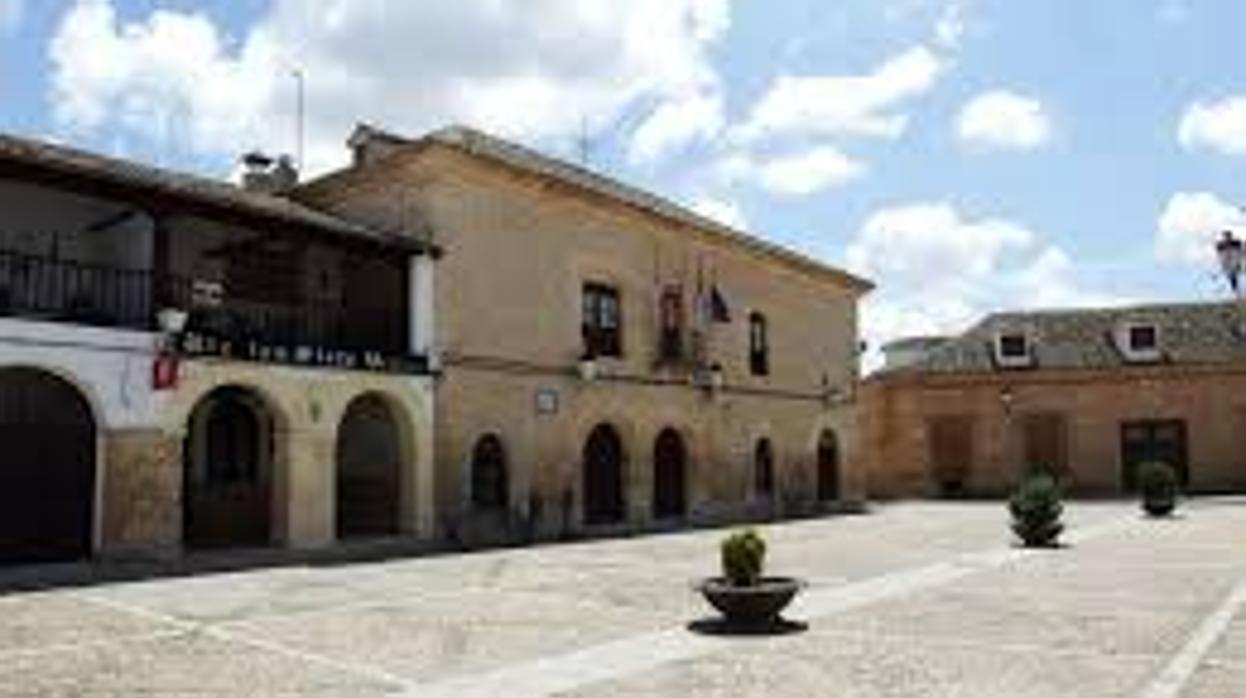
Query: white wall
x=111 y=367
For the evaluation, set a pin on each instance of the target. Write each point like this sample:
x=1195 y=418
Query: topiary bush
x=1158 y=484
x=743 y=555
x=1036 y=510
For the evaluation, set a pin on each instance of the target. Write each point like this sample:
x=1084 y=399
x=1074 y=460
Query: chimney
x=263 y=175
x=368 y=145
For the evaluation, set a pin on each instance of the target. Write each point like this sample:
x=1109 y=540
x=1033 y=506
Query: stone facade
x=519 y=246
x=900 y=413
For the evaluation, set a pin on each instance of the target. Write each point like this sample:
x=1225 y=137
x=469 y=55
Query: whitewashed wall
x=111 y=367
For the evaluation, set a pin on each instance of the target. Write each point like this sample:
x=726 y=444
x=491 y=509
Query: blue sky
x=968 y=155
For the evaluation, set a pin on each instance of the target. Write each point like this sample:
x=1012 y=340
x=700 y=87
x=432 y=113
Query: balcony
x=313 y=331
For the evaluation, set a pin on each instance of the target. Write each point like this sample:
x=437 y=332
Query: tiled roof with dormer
x=1188 y=334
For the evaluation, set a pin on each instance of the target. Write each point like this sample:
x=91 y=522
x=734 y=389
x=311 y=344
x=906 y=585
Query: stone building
x=185 y=363
x=1089 y=393
x=607 y=359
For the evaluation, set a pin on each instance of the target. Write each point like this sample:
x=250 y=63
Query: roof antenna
x=584 y=143
x=298 y=112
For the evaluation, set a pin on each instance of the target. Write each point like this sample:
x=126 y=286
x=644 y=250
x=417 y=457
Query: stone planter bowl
x=758 y=604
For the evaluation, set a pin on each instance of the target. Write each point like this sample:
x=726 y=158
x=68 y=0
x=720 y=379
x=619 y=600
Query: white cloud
x=676 y=122
x=951 y=25
x=1219 y=126
x=796 y=174
x=10 y=14
x=1189 y=225
x=1003 y=120
x=858 y=105
x=536 y=69
x=938 y=271
x=729 y=213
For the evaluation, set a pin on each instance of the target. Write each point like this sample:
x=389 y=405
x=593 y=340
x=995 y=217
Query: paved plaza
x=912 y=600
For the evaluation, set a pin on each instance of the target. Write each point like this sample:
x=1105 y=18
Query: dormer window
x=1138 y=341
x=1013 y=350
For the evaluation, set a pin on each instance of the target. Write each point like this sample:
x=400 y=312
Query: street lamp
x=1229 y=250
x=1232 y=263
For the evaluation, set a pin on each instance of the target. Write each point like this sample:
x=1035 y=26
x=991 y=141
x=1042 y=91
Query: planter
x=754 y=605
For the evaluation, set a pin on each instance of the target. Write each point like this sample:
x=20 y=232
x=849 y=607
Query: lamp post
x=1229 y=250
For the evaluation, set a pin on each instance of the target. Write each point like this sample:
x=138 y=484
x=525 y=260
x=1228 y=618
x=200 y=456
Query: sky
x=965 y=155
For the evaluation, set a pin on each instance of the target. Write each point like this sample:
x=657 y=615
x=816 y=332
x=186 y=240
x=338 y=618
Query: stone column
x=305 y=495
x=141 y=494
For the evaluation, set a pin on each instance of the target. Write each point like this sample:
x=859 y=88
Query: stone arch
x=49 y=477
x=372 y=458
x=604 y=467
x=490 y=474
x=231 y=458
x=670 y=475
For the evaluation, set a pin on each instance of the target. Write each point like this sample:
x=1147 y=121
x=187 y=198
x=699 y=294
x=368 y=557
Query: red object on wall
x=164 y=371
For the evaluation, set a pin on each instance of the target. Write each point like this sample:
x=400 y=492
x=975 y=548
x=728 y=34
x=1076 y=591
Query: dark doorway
x=951 y=453
x=763 y=469
x=228 y=478
x=828 y=466
x=670 y=461
x=369 y=470
x=47 y=472
x=603 y=477
x=490 y=486
x=1162 y=441
x=1046 y=443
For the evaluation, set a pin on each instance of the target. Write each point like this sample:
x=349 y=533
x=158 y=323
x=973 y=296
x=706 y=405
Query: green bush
x=1158 y=483
x=743 y=554
x=1036 y=510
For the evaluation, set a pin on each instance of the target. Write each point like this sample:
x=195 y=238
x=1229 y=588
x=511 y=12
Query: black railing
x=42 y=288
x=92 y=294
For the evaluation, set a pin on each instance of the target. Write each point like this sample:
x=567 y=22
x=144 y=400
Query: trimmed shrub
x=1158 y=485
x=743 y=555
x=1036 y=510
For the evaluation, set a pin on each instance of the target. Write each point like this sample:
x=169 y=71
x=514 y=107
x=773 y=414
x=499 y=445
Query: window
x=1143 y=338
x=1162 y=441
x=1012 y=349
x=758 y=345
x=602 y=321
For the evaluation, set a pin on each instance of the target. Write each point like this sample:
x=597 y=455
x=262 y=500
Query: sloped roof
x=1188 y=333
x=49 y=160
x=480 y=144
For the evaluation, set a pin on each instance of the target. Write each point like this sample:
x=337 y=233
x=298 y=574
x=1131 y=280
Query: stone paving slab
x=852 y=666
x=1102 y=618
x=434 y=635
x=189 y=665
x=57 y=620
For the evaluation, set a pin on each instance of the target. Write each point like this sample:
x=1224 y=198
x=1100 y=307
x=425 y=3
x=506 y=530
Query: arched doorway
x=369 y=460
x=603 y=477
x=227 y=486
x=763 y=469
x=670 y=460
x=47 y=472
x=490 y=486
x=828 y=466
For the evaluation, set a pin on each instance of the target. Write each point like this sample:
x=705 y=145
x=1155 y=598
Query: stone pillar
x=305 y=495
x=141 y=500
x=422 y=305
